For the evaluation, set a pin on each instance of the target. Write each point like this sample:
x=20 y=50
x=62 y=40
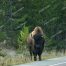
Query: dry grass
x=7 y=61
x=20 y=59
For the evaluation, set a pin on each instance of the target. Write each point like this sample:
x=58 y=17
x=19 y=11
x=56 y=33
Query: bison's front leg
x=35 y=57
x=39 y=57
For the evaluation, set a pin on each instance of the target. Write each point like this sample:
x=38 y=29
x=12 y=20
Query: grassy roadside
x=20 y=59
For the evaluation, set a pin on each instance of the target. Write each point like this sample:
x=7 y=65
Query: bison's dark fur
x=35 y=42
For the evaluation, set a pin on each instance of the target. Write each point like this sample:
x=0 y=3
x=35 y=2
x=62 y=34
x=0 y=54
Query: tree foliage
x=49 y=14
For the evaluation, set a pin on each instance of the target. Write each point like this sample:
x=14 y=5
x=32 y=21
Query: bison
x=36 y=42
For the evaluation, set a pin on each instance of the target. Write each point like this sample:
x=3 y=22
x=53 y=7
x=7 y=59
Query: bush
x=22 y=38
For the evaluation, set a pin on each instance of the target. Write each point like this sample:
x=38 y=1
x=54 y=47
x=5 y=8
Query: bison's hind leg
x=31 y=55
x=30 y=51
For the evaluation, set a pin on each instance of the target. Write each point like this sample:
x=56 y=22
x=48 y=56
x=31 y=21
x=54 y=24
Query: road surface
x=61 y=61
